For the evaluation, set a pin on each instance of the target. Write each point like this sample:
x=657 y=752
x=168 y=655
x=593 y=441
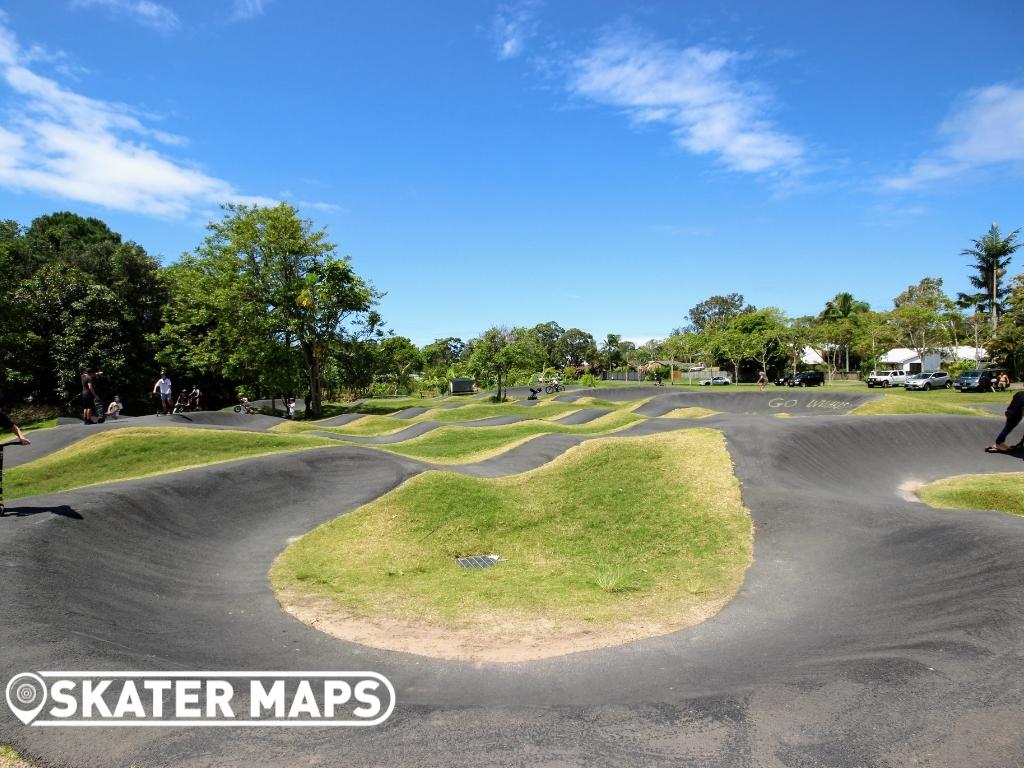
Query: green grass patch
x=916 y=403
x=9 y=758
x=122 y=454
x=637 y=530
x=477 y=411
x=465 y=444
x=999 y=493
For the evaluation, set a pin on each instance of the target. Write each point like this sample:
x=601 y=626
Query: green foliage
x=262 y=289
x=716 y=311
x=588 y=380
x=74 y=295
x=502 y=355
x=574 y=348
x=991 y=254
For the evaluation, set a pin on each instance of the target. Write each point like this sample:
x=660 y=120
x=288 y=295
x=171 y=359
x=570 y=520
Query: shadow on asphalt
x=63 y=511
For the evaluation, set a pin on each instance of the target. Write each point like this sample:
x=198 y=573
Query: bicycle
x=553 y=387
x=245 y=405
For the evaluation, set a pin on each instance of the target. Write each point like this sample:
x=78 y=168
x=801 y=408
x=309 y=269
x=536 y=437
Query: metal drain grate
x=477 y=561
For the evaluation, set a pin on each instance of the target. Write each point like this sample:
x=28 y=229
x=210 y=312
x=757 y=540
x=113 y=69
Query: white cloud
x=512 y=27
x=249 y=9
x=987 y=128
x=693 y=92
x=56 y=142
x=321 y=206
x=145 y=12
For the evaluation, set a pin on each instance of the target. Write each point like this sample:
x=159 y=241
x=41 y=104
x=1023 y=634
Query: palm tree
x=841 y=307
x=991 y=255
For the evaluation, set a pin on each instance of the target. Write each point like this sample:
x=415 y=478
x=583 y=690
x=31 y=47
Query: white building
x=909 y=361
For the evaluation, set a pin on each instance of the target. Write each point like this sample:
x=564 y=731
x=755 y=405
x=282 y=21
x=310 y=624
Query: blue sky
x=603 y=164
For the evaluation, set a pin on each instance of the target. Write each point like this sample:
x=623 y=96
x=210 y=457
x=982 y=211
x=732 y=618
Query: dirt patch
x=497 y=638
x=908 y=490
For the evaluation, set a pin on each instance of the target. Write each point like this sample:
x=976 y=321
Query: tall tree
x=840 y=313
x=717 y=311
x=1007 y=345
x=265 y=277
x=611 y=355
x=574 y=348
x=502 y=354
x=547 y=335
x=440 y=354
x=399 y=359
x=921 y=316
x=991 y=253
x=74 y=274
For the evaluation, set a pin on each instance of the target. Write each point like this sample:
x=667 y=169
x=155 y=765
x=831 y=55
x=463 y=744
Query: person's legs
x=1011 y=423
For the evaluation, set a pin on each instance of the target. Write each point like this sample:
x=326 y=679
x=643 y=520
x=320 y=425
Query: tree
x=501 y=354
x=873 y=333
x=575 y=348
x=547 y=335
x=717 y=311
x=71 y=324
x=399 y=358
x=611 y=356
x=264 y=278
x=991 y=254
x=69 y=272
x=1007 y=345
x=762 y=331
x=840 y=312
x=921 y=316
x=441 y=354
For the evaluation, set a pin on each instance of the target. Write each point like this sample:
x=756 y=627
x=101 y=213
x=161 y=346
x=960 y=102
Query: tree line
x=266 y=307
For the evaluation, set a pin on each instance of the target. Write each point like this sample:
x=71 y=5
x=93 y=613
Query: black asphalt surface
x=870 y=632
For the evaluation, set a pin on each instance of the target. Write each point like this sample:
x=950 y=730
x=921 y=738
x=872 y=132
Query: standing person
x=163 y=384
x=1013 y=417
x=762 y=380
x=88 y=395
x=5 y=424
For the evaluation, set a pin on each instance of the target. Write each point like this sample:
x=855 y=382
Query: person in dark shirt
x=1013 y=417
x=88 y=395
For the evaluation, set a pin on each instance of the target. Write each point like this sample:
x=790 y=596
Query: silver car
x=929 y=380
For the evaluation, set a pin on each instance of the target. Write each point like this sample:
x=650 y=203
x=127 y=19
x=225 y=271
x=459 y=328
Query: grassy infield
x=578 y=543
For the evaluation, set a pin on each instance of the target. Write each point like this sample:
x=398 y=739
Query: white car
x=715 y=381
x=886 y=379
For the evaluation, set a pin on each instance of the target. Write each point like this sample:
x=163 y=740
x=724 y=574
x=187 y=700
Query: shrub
x=588 y=380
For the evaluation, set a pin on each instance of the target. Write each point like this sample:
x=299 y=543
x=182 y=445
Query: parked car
x=981 y=380
x=716 y=380
x=808 y=379
x=929 y=380
x=784 y=380
x=886 y=379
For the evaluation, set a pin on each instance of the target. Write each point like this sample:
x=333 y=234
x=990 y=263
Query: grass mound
x=122 y=454
x=643 y=532
x=457 y=444
x=901 y=405
x=477 y=411
x=999 y=493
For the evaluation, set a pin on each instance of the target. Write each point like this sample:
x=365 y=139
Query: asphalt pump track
x=870 y=631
